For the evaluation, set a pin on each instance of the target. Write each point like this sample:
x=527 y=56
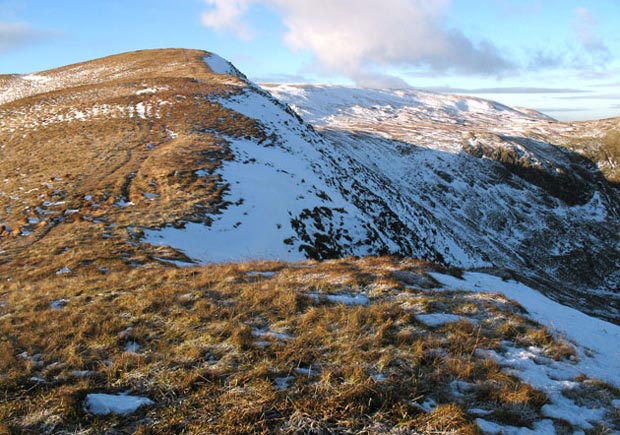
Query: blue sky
x=558 y=56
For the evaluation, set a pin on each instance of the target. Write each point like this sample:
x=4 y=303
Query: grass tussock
x=225 y=349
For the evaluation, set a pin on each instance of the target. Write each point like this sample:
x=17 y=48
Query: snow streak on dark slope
x=465 y=182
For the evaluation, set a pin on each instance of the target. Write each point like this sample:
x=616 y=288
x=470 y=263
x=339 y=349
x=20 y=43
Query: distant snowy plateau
x=461 y=181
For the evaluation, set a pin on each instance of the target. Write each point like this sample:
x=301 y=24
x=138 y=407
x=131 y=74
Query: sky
x=561 y=57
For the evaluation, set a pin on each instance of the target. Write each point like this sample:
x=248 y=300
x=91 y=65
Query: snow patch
x=219 y=65
x=282 y=383
x=36 y=78
x=544 y=427
x=598 y=341
x=103 y=404
x=132 y=347
x=65 y=270
x=272 y=334
x=345 y=299
x=58 y=304
x=268 y=274
x=439 y=319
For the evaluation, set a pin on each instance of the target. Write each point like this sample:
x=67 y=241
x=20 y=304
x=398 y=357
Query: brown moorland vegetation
x=106 y=152
x=264 y=347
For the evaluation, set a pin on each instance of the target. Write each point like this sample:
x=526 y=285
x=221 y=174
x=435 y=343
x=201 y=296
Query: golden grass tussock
x=223 y=349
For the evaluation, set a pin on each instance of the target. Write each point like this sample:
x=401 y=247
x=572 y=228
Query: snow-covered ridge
x=220 y=65
x=328 y=102
x=404 y=114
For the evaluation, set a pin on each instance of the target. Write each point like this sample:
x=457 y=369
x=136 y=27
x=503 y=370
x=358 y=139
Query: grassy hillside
x=106 y=146
x=599 y=141
x=331 y=347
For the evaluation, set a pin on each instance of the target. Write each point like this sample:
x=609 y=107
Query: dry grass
x=66 y=177
x=225 y=350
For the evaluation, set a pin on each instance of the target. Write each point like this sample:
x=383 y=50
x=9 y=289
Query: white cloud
x=18 y=35
x=358 y=38
x=227 y=15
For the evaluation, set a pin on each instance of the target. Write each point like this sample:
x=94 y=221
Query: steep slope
x=475 y=184
x=115 y=159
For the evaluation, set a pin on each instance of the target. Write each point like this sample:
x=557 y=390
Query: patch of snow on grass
x=132 y=347
x=282 y=383
x=150 y=90
x=263 y=274
x=544 y=427
x=552 y=377
x=346 y=299
x=379 y=377
x=307 y=371
x=122 y=203
x=438 y=319
x=597 y=343
x=103 y=404
x=358 y=299
x=272 y=334
x=58 y=304
x=36 y=78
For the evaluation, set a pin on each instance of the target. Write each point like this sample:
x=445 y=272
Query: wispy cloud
x=14 y=36
x=542 y=59
x=353 y=38
x=282 y=78
x=586 y=32
x=611 y=96
x=562 y=109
